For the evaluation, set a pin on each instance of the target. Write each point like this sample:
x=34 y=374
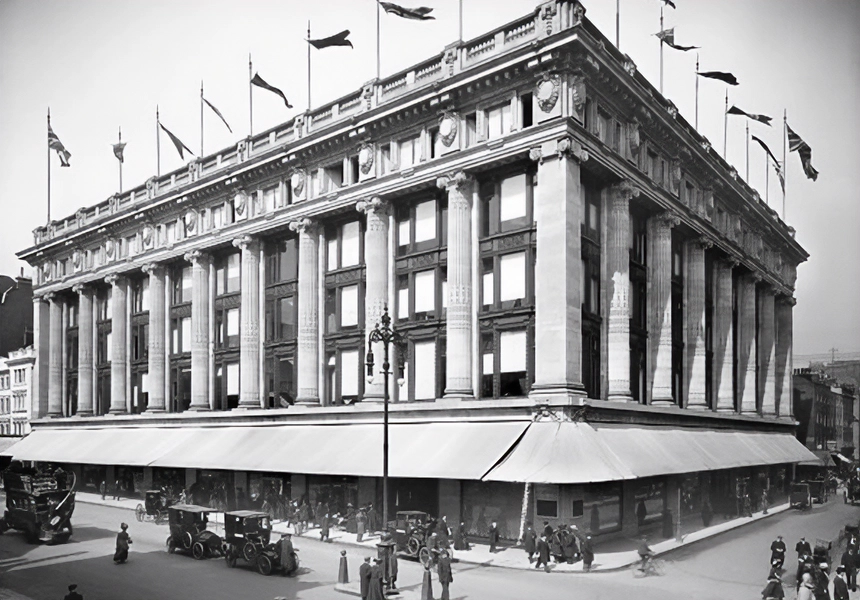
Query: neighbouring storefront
x=486 y=502
x=334 y=490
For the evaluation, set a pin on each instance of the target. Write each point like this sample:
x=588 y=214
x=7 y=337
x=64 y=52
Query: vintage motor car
x=154 y=508
x=39 y=504
x=409 y=532
x=821 y=554
x=269 y=560
x=246 y=534
x=800 y=496
x=819 y=489
x=188 y=532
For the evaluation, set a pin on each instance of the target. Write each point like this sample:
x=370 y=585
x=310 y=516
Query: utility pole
x=833 y=352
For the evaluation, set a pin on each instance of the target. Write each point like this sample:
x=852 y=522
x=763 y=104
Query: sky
x=104 y=64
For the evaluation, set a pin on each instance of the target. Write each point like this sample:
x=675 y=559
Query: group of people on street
x=812 y=576
x=566 y=544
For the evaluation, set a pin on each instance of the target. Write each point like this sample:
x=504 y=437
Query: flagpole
x=120 y=162
x=697 y=91
x=201 y=117
x=784 y=164
x=309 y=65
x=157 y=142
x=49 y=166
x=377 y=42
x=250 y=98
x=726 y=125
x=766 y=179
x=618 y=24
x=661 y=50
x=748 y=152
x=461 y=20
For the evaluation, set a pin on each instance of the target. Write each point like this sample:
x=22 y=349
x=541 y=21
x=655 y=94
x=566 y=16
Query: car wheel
x=295 y=565
x=413 y=546
x=171 y=545
x=264 y=565
x=425 y=556
x=249 y=551
x=187 y=541
x=139 y=513
x=198 y=551
x=160 y=516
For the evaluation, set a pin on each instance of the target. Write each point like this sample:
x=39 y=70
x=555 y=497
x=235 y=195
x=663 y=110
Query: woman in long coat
x=122 y=542
x=529 y=541
x=375 y=591
x=461 y=541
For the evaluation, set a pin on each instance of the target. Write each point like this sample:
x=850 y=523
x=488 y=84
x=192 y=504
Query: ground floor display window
x=650 y=500
x=213 y=489
x=602 y=507
x=173 y=480
x=130 y=481
x=412 y=494
x=269 y=492
x=92 y=477
x=484 y=502
x=333 y=492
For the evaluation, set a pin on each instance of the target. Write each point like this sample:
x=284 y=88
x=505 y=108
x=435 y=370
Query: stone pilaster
x=85 y=350
x=784 y=342
x=558 y=273
x=157 y=343
x=200 y=263
x=766 y=351
x=119 y=341
x=747 y=344
x=56 y=341
x=458 y=326
x=249 y=341
x=376 y=283
x=695 y=316
x=618 y=290
x=660 y=306
x=42 y=345
x=309 y=325
x=724 y=336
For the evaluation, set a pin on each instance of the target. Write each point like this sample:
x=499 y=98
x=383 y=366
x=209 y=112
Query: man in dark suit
x=364 y=577
x=445 y=574
x=840 y=585
x=494 y=536
x=849 y=562
x=73 y=594
x=542 y=553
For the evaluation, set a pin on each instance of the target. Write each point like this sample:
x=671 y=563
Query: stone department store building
x=598 y=309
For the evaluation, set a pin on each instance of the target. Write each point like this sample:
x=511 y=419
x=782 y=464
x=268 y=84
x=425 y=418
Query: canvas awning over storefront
x=460 y=450
x=553 y=452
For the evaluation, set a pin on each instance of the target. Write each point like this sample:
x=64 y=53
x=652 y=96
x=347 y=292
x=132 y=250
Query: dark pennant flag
x=670 y=3
x=727 y=77
x=259 y=82
x=218 y=112
x=667 y=36
x=338 y=39
x=777 y=166
x=734 y=110
x=766 y=149
x=118 y=150
x=422 y=13
x=176 y=142
x=796 y=144
x=54 y=143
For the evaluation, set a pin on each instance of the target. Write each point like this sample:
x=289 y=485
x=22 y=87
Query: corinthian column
x=376 y=282
x=724 y=336
x=618 y=288
x=747 y=343
x=157 y=346
x=784 y=336
x=309 y=327
x=119 y=341
x=199 y=329
x=766 y=350
x=458 y=324
x=660 y=306
x=85 y=350
x=695 y=315
x=55 y=356
x=249 y=344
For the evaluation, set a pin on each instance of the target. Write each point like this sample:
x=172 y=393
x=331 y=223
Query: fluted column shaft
x=376 y=284
x=199 y=329
x=458 y=325
x=695 y=315
x=618 y=288
x=309 y=326
x=766 y=351
x=784 y=362
x=249 y=341
x=42 y=345
x=119 y=341
x=724 y=351
x=747 y=344
x=660 y=306
x=55 y=356
x=85 y=350
x=157 y=344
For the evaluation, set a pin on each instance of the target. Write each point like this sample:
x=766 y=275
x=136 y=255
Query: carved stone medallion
x=365 y=160
x=448 y=126
x=546 y=91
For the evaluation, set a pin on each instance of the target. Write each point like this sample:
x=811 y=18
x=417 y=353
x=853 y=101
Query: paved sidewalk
x=509 y=558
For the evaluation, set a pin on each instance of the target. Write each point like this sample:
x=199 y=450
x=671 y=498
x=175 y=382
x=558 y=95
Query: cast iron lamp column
x=387 y=336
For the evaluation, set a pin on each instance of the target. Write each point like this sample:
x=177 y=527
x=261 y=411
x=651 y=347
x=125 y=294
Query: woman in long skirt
x=122 y=542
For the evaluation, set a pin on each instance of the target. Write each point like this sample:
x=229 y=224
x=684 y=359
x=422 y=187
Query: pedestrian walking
x=773 y=589
x=777 y=552
x=569 y=549
x=446 y=577
x=376 y=592
x=444 y=533
x=304 y=516
x=116 y=488
x=461 y=540
x=286 y=553
x=547 y=529
x=707 y=513
x=123 y=540
x=103 y=488
x=372 y=518
x=555 y=544
x=392 y=568
x=360 y=524
x=494 y=537
x=530 y=541
x=765 y=501
x=73 y=594
x=806 y=588
x=587 y=553
x=364 y=578
x=542 y=554
x=324 y=527
x=849 y=565
x=840 y=585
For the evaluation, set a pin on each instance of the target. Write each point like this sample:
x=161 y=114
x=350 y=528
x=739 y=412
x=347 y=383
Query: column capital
x=668 y=218
x=50 y=296
x=115 y=279
x=623 y=191
x=245 y=242
x=704 y=242
x=756 y=277
x=80 y=288
x=785 y=299
x=198 y=257
x=536 y=154
x=304 y=225
x=153 y=268
x=375 y=205
x=455 y=181
x=569 y=147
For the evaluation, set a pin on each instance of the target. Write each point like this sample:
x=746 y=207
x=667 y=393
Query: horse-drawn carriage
x=188 y=532
x=154 y=508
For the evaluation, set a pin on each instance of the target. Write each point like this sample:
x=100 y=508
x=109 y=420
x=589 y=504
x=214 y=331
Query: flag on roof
x=734 y=110
x=54 y=143
x=218 y=112
x=670 y=3
x=338 y=39
x=422 y=13
x=176 y=142
x=796 y=144
x=118 y=150
x=260 y=82
x=667 y=36
x=777 y=165
x=765 y=147
x=727 y=77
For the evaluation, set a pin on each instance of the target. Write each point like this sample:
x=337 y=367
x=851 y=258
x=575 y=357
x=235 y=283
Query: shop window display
x=602 y=507
x=485 y=502
x=650 y=500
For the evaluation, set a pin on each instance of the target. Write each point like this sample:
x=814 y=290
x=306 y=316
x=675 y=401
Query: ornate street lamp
x=385 y=334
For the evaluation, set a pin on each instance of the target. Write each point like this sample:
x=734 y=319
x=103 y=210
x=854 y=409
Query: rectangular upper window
x=228 y=274
x=349 y=255
x=425 y=291
x=498 y=120
x=425 y=370
x=425 y=221
x=512 y=274
x=349 y=375
x=349 y=306
x=270 y=199
x=513 y=198
x=409 y=151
